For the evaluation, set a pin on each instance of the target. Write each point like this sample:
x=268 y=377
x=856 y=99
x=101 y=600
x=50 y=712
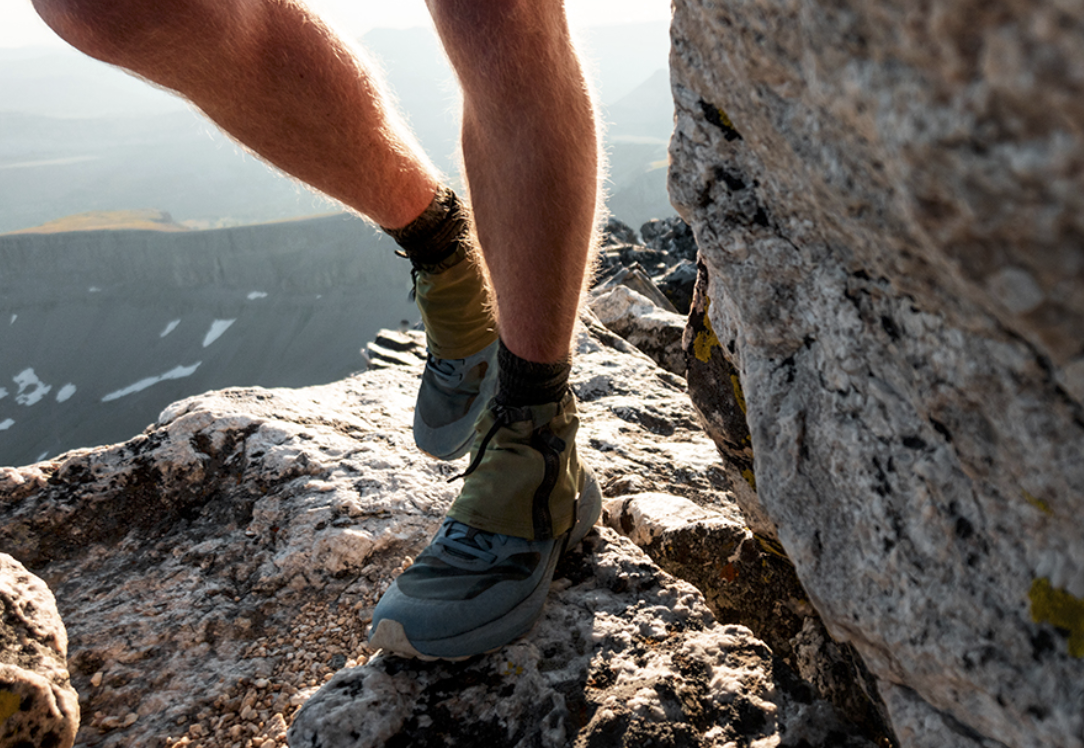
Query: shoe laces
x=464 y=540
x=447 y=370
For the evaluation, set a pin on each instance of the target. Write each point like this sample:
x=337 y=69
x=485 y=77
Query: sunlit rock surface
x=214 y=572
x=624 y=655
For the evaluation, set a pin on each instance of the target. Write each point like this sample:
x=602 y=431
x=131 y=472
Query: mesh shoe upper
x=474 y=589
x=450 y=399
x=461 y=373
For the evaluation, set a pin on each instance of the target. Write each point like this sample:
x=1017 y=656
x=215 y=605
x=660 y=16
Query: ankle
x=521 y=382
x=439 y=237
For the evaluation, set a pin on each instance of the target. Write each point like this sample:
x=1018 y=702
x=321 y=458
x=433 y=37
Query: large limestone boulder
x=889 y=203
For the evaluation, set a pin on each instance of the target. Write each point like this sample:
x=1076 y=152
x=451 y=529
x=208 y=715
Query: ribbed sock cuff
x=433 y=237
x=522 y=382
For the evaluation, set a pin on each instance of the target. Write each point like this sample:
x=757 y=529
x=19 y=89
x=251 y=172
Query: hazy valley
x=102 y=329
x=77 y=136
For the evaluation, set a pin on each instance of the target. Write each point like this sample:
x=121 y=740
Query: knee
x=483 y=39
x=95 y=28
x=116 y=31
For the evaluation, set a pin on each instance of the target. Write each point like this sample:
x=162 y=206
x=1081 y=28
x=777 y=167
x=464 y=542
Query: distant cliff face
x=889 y=202
x=100 y=330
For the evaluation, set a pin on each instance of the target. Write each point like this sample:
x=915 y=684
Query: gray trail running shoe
x=450 y=399
x=475 y=588
x=460 y=373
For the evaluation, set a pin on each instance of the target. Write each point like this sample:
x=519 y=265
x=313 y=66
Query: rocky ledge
x=218 y=570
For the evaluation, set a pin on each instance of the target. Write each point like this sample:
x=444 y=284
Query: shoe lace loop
x=504 y=416
x=467 y=541
x=447 y=370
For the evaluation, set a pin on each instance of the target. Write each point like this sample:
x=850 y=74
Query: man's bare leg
x=531 y=156
x=270 y=74
x=275 y=77
x=529 y=147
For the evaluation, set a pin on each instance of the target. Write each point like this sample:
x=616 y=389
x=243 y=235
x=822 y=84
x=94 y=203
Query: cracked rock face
x=746 y=580
x=38 y=706
x=889 y=204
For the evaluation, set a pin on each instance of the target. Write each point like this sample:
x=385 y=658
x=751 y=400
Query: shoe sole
x=391 y=637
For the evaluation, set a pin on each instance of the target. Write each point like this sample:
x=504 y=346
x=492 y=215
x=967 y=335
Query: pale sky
x=21 y=27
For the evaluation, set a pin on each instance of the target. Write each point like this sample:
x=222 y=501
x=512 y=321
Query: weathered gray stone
x=632 y=275
x=396 y=349
x=624 y=655
x=716 y=393
x=671 y=235
x=38 y=706
x=746 y=580
x=678 y=284
x=889 y=205
x=213 y=570
x=218 y=569
x=638 y=320
x=617 y=233
x=923 y=726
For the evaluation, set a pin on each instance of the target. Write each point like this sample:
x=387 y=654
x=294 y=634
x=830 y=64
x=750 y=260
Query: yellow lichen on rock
x=706 y=339
x=750 y=478
x=1061 y=609
x=703 y=344
x=738 y=394
x=9 y=704
x=1038 y=503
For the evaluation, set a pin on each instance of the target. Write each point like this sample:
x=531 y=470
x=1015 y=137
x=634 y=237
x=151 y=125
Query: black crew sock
x=431 y=239
x=522 y=382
